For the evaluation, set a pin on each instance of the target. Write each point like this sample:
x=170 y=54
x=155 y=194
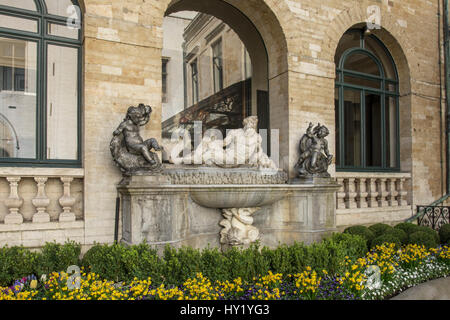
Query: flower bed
x=394 y=269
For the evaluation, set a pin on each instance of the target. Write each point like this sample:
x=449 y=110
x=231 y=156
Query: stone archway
x=260 y=31
x=396 y=40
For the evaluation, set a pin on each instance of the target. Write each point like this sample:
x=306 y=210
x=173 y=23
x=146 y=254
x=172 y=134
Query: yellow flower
x=33 y=284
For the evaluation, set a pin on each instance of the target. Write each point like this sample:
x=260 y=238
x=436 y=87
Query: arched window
x=40 y=80
x=367 y=105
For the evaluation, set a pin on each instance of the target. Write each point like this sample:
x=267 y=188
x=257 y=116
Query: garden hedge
x=362 y=231
x=379 y=229
x=123 y=263
x=407 y=227
x=423 y=238
x=386 y=238
x=444 y=234
x=400 y=234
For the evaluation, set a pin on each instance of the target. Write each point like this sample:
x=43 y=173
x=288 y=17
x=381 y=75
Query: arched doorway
x=265 y=51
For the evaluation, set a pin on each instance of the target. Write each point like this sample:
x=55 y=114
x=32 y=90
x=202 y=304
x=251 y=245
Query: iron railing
x=421 y=210
x=433 y=216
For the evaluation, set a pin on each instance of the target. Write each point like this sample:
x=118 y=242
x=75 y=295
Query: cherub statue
x=130 y=152
x=314 y=154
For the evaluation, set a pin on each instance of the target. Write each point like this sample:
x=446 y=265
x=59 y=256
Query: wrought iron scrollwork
x=433 y=216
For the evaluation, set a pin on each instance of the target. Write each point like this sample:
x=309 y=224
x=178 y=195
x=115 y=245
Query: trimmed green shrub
x=386 y=238
x=362 y=231
x=141 y=261
x=407 y=227
x=55 y=257
x=444 y=234
x=16 y=263
x=379 y=229
x=214 y=264
x=429 y=231
x=423 y=238
x=399 y=233
x=108 y=261
x=355 y=245
x=180 y=264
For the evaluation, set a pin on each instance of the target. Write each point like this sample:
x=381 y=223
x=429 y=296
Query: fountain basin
x=238 y=196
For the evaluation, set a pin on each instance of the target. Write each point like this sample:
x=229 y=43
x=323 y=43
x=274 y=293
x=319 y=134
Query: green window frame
x=384 y=91
x=194 y=80
x=217 y=64
x=43 y=40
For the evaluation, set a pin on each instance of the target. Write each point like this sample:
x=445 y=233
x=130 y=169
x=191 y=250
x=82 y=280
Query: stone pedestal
x=159 y=212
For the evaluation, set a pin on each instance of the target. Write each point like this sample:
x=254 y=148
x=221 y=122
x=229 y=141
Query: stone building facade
x=291 y=43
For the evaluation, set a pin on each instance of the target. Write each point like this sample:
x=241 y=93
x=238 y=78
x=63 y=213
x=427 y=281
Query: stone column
x=340 y=195
x=41 y=201
x=392 y=193
x=67 y=201
x=14 y=202
x=351 y=193
x=402 y=193
x=372 y=193
x=361 y=199
x=382 y=192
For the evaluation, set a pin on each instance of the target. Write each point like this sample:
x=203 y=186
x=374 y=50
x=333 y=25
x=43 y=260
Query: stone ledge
x=372 y=210
x=42 y=226
x=48 y=172
x=368 y=216
x=397 y=175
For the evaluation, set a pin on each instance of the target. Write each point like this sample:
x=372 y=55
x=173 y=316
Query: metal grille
x=433 y=216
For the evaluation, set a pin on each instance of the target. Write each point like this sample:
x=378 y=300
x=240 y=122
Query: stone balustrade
x=40 y=195
x=371 y=190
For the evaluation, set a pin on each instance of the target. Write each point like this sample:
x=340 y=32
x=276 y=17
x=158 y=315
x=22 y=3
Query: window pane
x=59 y=7
x=22 y=4
x=218 y=66
x=62 y=103
x=349 y=40
x=392 y=87
x=373 y=130
x=18 y=98
x=374 y=46
x=391 y=132
x=62 y=31
x=164 y=80
x=194 y=71
x=362 y=63
x=352 y=128
x=18 y=23
x=364 y=82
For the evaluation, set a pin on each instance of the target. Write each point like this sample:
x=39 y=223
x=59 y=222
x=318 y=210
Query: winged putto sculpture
x=129 y=150
x=315 y=157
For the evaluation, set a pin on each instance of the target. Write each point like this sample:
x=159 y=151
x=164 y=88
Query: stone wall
x=122 y=66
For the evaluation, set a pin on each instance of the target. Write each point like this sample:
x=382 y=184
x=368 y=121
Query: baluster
x=372 y=193
x=340 y=195
x=392 y=193
x=41 y=201
x=67 y=201
x=382 y=192
x=402 y=193
x=361 y=199
x=13 y=202
x=351 y=193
